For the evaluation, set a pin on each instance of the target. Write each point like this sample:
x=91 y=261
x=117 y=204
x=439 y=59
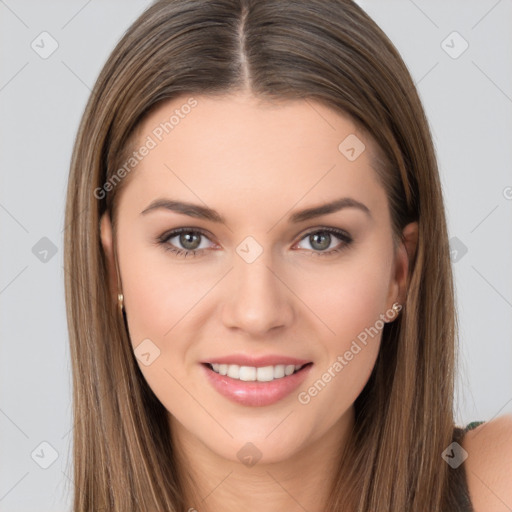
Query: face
x=249 y=278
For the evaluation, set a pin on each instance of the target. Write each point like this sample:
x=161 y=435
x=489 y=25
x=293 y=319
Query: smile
x=253 y=373
x=255 y=386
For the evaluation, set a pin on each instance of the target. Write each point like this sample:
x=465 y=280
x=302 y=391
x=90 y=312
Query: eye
x=321 y=241
x=189 y=239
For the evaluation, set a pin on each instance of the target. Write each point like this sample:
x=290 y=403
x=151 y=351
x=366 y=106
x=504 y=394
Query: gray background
x=468 y=99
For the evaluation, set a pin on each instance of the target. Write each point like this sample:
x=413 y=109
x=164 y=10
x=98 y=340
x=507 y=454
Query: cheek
x=158 y=292
x=348 y=297
x=162 y=297
x=158 y=296
x=352 y=309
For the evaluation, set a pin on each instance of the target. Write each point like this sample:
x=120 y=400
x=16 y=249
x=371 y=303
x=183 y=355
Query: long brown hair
x=324 y=50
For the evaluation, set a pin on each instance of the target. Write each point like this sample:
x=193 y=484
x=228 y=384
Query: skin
x=489 y=465
x=256 y=164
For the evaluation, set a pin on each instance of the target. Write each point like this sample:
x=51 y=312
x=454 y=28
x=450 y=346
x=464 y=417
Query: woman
x=258 y=280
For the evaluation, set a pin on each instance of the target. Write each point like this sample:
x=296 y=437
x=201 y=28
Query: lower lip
x=256 y=394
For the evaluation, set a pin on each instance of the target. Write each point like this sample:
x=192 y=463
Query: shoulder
x=489 y=465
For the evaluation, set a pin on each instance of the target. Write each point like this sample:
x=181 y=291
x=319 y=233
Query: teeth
x=278 y=371
x=288 y=370
x=251 y=373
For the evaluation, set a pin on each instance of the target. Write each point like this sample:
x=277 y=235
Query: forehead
x=237 y=146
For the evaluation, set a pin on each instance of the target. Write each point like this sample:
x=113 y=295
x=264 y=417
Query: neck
x=301 y=482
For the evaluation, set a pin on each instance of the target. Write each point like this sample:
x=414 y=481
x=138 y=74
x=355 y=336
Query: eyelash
x=163 y=240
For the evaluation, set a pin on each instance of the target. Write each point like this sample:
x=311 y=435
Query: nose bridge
x=257 y=300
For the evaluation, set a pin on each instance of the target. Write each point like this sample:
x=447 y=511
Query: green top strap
x=473 y=424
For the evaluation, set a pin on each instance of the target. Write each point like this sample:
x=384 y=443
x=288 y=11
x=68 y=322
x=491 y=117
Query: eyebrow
x=203 y=212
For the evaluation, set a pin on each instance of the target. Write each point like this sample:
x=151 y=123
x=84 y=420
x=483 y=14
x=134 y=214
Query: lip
x=257 y=361
x=256 y=394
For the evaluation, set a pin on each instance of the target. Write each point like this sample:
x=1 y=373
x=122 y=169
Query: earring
x=396 y=308
x=120 y=302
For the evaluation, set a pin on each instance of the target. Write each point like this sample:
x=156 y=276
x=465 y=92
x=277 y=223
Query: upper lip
x=257 y=361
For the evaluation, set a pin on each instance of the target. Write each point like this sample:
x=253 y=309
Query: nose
x=257 y=298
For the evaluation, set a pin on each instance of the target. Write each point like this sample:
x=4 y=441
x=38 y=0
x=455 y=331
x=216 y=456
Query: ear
x=107 y=242
x=404 y=258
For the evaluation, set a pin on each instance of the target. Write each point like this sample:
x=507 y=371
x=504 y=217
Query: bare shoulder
x=489 y=465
